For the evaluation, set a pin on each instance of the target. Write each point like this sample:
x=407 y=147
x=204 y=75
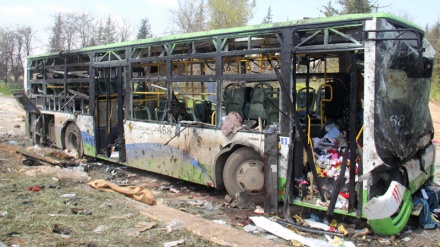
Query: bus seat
x=192 y=113
x=256 y=107
x=202 y=110
x=142 y=114
x=272 y=105
x=160 y=110
x=301 y=98
x=320 y=95
x=334 y=108
x=234 y=98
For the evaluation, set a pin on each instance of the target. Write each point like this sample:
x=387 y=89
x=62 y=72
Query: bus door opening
x=109 y=113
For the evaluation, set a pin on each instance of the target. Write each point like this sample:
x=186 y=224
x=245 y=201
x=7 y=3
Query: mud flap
x=380 y=211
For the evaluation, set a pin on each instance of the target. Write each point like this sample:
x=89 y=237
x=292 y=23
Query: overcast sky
x=39 y=13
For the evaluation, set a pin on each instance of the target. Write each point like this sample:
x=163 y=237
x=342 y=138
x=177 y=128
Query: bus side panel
x=147 y=149
x=188 y=155
x=86 y=126
x=61 y=120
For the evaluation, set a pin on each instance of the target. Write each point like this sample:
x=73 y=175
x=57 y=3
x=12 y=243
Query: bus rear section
x=372 y=145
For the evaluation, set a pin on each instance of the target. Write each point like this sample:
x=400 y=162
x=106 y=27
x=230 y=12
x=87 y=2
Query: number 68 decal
x=397 y=121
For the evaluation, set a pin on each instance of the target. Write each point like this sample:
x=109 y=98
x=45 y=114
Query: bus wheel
x=73 y=140
x=244 y=171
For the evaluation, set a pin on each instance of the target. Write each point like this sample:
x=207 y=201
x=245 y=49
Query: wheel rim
x=250 y=176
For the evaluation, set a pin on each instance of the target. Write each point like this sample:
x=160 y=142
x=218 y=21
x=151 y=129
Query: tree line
x=74 y=30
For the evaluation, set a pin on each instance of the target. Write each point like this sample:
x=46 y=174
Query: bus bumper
x=381 y=211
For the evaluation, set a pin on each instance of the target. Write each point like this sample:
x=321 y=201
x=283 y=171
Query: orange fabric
x=141 y=194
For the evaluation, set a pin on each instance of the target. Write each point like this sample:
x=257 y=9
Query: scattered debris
x=174 y=190
x=34 y=188
x=243 y=200
x=125 y=216
x=61 y=230
x=221 y=222
x=361 y=232
x=68 y=195
x=80 y=211
x=285 y=233
x=130 y=232
x=317 y=225
x=174 y=243
x=259 y=210
x=342 y=229
x=253 y=229
x=57 y=215
x=99 y=229
x=135 y=192
x=3 y=213
x=208 y=206
x=143 y=226
x=384 y=241
x=176 y=224
x=198 y=203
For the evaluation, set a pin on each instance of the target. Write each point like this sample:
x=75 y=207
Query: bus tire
x=73 y=139
x=244 y=171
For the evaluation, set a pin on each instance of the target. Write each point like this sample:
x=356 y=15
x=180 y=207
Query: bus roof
x=245 y=29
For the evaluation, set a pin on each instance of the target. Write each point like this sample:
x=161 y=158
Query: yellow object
x=298 y=219
x=334 y=223
x=342 y=229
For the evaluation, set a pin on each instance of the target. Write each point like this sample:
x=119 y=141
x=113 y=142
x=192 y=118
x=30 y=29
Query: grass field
x=6 y=89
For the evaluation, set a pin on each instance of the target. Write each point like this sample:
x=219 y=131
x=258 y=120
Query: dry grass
x=32 y=216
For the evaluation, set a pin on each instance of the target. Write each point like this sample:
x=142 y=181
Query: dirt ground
x=47 y=218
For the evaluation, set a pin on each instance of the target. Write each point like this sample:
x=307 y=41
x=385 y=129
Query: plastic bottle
x=208 y=205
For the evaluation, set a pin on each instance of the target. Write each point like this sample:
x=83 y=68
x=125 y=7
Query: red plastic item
x=345 y=195
x=35 y=188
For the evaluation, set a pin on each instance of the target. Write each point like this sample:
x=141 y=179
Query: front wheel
x=244 y=171
x=73 y=140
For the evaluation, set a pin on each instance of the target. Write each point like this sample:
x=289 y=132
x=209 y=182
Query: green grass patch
x=7 y=88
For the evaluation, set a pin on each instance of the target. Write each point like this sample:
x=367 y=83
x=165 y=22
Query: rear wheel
x=244 y=171
x=73 y=140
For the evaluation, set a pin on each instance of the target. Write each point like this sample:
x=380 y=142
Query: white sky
x=39 y=13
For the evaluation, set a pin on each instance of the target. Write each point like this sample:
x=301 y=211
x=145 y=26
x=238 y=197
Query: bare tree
x=15 y=45
x=84 y=23
x=189 y=16
x=70 y=31
x=125 y=30
x=7 y=46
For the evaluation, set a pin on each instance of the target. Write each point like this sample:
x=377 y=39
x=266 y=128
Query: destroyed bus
x=326 y=113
